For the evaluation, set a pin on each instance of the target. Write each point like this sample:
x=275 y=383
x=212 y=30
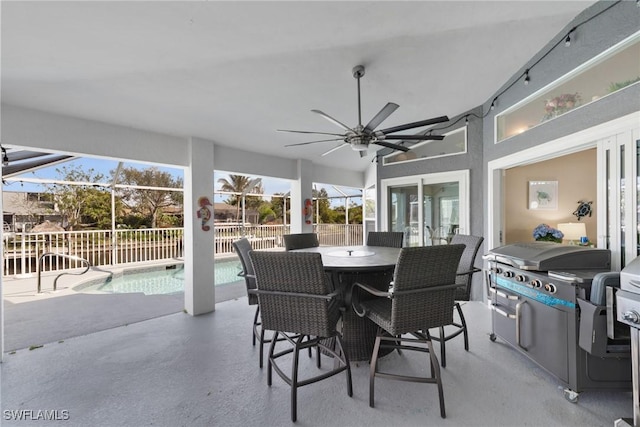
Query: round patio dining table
x=372 y=265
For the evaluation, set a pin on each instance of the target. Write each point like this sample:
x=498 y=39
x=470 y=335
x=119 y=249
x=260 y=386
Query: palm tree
x=239 y=184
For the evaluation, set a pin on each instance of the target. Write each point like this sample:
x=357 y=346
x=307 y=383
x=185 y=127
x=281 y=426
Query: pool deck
x=34 y=319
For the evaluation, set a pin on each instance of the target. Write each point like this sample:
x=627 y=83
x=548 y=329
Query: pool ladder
x=86 y=263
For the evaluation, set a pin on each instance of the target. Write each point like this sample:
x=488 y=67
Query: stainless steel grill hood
x=545 y=256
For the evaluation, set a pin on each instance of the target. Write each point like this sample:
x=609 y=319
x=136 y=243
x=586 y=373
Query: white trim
x=459 y=176
x=417 y=159
x=587 y=138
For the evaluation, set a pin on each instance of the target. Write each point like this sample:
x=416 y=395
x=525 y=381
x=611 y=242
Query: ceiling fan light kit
x=360 y=137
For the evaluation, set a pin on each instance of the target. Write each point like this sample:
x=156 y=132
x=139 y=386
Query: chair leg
x=399 y=343
x=428 y=335
x=275 y=335
x=343 y=354
x=372 y=369
x=294 y=379
x=435 y=369
x=255 y=325
x=443 y=348
x=272 y=348
x=463 y=322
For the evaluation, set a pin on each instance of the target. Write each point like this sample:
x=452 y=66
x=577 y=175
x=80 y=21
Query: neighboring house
x=225 y=213
x=23 y=210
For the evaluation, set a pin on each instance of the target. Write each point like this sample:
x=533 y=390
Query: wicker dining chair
x=300 y=241
x=297 y=302
x=421 y=298
x=390 y=239
x=243 y=247
x=464 y=277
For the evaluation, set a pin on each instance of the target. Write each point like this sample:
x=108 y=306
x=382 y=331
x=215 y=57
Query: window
x=611 y=71
x=428 y=209
x=454 y=142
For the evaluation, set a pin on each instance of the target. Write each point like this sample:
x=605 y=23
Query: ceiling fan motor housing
x=359 y=142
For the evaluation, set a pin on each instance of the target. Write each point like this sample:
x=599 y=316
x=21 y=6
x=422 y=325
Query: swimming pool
x=167 y=280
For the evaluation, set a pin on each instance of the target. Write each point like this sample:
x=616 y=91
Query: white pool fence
x=21 y=251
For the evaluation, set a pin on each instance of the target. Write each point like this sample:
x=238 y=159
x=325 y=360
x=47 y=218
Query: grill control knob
x=536 y=283
x=508 y=273
x=521 y=278
x=550 y=287
x=631 y=316
x=498 y=270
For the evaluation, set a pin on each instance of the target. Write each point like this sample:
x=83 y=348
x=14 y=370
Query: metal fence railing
x=21 y=251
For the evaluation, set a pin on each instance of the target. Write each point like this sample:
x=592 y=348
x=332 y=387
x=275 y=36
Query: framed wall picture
x=543 y=195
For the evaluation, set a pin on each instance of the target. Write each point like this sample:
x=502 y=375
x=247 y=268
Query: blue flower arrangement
x=545 y=233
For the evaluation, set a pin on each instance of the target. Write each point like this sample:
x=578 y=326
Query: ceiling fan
x=361 y=136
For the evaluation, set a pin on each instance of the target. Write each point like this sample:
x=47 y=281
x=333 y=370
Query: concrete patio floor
x=33 y=319
x=179 y=370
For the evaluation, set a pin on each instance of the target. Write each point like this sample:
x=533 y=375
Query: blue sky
x=105 y=166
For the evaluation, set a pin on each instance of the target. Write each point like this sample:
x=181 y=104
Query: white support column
x=301 y=190
x=199 y=291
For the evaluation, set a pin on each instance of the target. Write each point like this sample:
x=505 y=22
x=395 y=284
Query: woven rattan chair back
x=472 y=246
x=242 y=248
x=424 y=267
x=390 y=239
x=287 y=276
x=300 y=241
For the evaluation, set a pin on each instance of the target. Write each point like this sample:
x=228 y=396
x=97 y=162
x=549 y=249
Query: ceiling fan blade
x=334 y=149
x=392 y=146
x=306 y=131
x=381 y=116
x=313 y=142
x=332 y=120
x=416 y=137
x=427 y=122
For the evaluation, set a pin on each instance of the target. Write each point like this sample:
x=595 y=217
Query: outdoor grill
x=540 y=294
x=628 y=312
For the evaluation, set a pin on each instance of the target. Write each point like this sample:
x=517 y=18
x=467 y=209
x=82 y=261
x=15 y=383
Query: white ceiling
x=234 y=72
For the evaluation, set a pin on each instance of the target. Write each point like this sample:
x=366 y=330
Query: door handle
x=518 y=324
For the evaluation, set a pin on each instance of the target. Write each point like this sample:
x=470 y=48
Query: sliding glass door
x=403 y=212
x=428 y=209
x=619 y=216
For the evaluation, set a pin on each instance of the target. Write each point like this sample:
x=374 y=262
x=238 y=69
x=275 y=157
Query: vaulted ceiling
x=234 y=72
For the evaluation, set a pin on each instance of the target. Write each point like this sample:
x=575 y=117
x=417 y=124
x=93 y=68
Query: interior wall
x=576 y=176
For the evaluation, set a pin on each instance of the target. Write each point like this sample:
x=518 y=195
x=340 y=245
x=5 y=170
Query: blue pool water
x=167 y=281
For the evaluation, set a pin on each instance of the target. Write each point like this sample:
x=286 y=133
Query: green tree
x=322 y=206
x=97 y=208
x=75 y=201
x=239 y=184
x=149 y=195
x=266 y=213
x=355 y=214
x=278 y=205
